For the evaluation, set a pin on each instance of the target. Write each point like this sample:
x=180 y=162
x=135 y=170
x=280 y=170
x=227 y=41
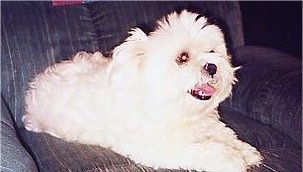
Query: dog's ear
x=128 y=58
x=131 y=49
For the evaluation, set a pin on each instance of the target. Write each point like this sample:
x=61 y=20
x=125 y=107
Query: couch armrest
x=13 y=155
x=269 y=89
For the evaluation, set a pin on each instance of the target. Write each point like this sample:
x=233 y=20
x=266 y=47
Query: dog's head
x=184 y=60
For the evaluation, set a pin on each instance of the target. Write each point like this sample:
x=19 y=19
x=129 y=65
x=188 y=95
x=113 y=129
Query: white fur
x=137 y=103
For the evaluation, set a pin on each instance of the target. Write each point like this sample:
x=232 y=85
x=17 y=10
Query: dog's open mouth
x=202 y=91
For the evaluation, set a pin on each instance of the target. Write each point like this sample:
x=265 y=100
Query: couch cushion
x=249 y=129
x=269 y=89
x=281 y=152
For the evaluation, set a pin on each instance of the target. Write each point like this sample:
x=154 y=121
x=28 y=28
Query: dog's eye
x=210 y=51
x=182 y=58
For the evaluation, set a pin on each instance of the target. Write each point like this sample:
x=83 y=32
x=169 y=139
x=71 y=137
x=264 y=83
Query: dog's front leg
x=208 y=156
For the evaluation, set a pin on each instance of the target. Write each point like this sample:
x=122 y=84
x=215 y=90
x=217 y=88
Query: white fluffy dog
x=154 y=101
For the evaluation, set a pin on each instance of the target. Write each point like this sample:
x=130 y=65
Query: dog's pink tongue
x=207 y=89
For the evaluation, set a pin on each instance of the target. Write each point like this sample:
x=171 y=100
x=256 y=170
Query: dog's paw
x=220 y=158
x=251 y=155
x=214 y=157
x=30 y=124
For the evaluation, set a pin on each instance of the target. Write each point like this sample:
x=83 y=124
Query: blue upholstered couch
x=265 y=108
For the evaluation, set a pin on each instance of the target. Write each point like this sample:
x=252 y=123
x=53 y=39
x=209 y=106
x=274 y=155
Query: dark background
x=273 y=24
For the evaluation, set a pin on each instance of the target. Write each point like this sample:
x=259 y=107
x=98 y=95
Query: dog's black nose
x=210 y=68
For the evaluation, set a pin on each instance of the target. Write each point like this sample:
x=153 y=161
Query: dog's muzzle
x=204 y=91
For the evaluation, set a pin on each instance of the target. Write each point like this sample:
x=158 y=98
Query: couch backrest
x=37 y=34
